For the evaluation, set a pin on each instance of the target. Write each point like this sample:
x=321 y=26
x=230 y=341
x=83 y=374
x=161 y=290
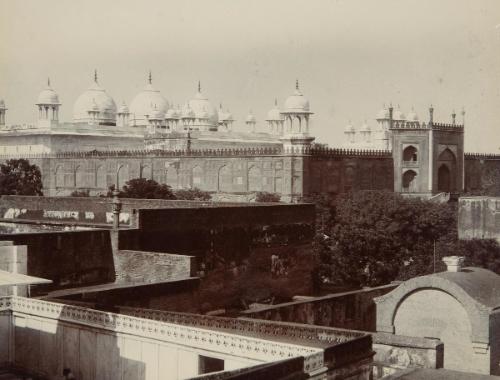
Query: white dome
x=412 y=116
x=224 y=115
x=123 y=108
x=97 y=95
x=171 y=114
x=203 y=109
x=383 y=113
x=187 y=112
x=349 y=128
x=48 y=96
x=365 y=127
x=142 y=104
x=156 y=114
x=274 y=114
x=398 y=115
x=250 y=118
x=297 y=102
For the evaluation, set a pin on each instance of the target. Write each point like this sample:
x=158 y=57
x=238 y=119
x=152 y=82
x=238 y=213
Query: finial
x=463 y=111
x=199 y=86
x=95 y=75
x=48 y=81
x=276 y=102
x=150 y=78
x=296 y=84
x=220 y=105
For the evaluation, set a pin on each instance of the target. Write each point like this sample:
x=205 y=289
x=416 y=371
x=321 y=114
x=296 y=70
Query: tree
x=264 y=196
x=19 y=177
x=192 y=195
x=146 y=189
x=378 y=236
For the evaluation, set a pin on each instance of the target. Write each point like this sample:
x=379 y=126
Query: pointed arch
x=410 y=154
x=254 y=178
x=224 y=178
x=197 y=177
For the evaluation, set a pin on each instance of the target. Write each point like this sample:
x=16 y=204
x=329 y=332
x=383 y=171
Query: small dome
x=48 y=96
x=297 y=101
x=398 y=115
x=171 y=114
x=143 y=101
x=365 y=127
x=383 y=113
x=274 y=114
x=123 y=108
x=349 y=128
x=156 y=114
x=95 y=94
x=203 y=109
x=412 y=116
x=250 y=118
x=187 y=112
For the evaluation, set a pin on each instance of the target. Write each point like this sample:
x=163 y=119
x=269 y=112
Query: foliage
x=490 y=181
x=264 y=196
x=192 y=195
x=144 y=188
x=375 y=237
x=19 y=177
x=150 y=189
x=80 y=193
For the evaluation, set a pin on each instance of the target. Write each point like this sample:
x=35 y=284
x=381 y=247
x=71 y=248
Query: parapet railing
x=482 y=156
x=255 y=326
x=405 y=124
x=218 y=341
x=266 y=151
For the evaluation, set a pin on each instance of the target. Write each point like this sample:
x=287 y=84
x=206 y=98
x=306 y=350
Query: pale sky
x=350 y=56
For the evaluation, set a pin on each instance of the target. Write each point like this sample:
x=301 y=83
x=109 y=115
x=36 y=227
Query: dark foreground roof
x=437 y=374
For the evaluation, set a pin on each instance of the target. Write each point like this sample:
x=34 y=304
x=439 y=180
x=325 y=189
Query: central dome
x=145 y=101
x=95 y=95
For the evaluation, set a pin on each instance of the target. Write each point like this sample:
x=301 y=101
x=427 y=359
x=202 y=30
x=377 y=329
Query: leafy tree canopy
x=144 y=188
x=192 y=195
x=19 y=177
x=375 y=237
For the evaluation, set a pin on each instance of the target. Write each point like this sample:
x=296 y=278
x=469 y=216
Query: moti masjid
x=196 y=146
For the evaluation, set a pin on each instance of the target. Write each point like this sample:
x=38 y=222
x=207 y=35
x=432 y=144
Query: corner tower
x=428 y=157
x=48 y=107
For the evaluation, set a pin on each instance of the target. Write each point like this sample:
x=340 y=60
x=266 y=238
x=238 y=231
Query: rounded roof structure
x=349 y=128
x=123 y=108
x=48 y=96
x=274 y=113
x=365 y=127
x=412 y=116
x=224 y=115
x=477 y=289
x=297 y=102
x=143 y=103
x=97 y=95
x=187 y=112
x=156 y=114
x=202 y=108
x=398 y=115
x=383 y=113
x=250 y=117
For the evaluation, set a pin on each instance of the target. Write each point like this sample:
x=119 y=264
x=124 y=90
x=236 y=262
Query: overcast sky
x=350 y=56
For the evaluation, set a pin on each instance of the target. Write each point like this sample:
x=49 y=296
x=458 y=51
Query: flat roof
x=10 y=279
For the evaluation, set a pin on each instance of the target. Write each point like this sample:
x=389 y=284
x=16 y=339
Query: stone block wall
x=141 y=266
x=479 y=218
x=68 y=258
x=351 y=310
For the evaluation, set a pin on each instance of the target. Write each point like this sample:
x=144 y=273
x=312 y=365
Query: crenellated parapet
x=448 y=127
x=346 y=152
x=482 y=156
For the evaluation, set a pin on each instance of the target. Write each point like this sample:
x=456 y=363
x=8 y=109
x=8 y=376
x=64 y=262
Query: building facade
x=196 y=145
